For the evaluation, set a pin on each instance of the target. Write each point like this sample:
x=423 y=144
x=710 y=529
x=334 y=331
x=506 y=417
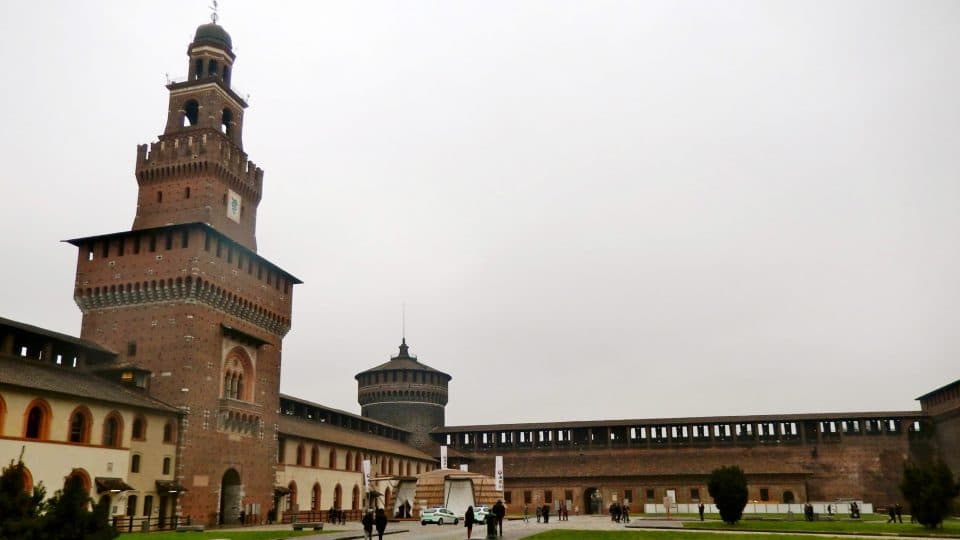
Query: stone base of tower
x=417 y=418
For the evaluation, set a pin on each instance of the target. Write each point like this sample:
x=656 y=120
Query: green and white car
x=480 y=513
x=438 y=515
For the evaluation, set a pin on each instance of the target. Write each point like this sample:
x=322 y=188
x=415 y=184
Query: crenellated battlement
x=200 y=151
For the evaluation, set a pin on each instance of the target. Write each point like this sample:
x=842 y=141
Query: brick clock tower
x=185 y=296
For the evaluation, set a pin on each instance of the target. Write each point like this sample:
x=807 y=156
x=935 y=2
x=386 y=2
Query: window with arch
x=300 y=454
x=314 y=456
x=80 y=422
x=315 y=497
x=226 y=122
x=82 y=476
x=168 y=432
x=292 y=500
x=355 y=503
x=166 y=465
x=238 y=376
x=358 y=463
x=191 y=113
x=135 y=463
x=338 y=497
x=139 y=429
x=333 y=458
x=3 y=413
x=36 y=421
x=348 y=463
x=27 y=478
x=113 y=430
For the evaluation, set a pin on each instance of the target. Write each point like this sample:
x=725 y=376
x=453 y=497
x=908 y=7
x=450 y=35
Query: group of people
x=336 y=516
x=543 y=512
x=497 y=513
x=371 y=520
x=620 y=512
x=895 y=512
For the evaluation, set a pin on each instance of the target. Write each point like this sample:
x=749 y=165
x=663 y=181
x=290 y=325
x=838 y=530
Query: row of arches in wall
x=38 y=421
x=404 y=395
x=354 y=461
x=293 y=502
x=79 y=472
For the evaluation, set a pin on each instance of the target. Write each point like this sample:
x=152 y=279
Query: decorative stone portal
x=592 y=501
x=231 y=493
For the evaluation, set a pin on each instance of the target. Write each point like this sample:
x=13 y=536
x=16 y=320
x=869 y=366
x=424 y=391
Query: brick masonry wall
x=417 y=418
x=868 y=467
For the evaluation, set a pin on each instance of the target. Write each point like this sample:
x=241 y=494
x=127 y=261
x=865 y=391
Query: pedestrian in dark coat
x=546 y=513
x=899 y=510
x=700 y=509
x=367 y=522
x=499 y=510
x=468 y=521
x=539 y=514
x=380 y=522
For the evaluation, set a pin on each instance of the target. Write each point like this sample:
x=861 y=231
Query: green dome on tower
x=214 y=34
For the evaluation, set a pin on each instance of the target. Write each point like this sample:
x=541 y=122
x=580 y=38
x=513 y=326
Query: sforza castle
x=168 y=403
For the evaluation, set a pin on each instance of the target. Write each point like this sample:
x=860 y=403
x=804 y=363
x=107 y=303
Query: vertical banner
x=463 y=467
x=443 y=457
x=366 y=475
x=498 y=473
x=233 y=205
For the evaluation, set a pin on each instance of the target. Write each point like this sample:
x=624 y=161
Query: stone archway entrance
x=592 y=501
x=230 y=497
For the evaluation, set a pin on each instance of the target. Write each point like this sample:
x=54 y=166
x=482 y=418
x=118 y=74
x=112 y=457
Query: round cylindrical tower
x=405 y=393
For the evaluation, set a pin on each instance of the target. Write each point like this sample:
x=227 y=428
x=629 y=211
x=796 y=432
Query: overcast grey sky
x=591 y=209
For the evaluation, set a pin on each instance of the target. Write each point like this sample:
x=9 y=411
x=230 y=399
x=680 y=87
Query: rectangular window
x=185 y=239
x=136 y=244
x=159 y=196
x=764 y=494
x=527 y=497
x=627 y=495
x=281 y=450
x=229 y=254
x=120 y=246
x=507 y=497
x=568 y=495
x=147 y=505
x=695 y=494
x=153 y=243
x=548 y=496
x=219 y=248
x=169 y=241
x=650 y=495
x=131 y=348
x=106 y=249
x=166 y=465
x=206 y=241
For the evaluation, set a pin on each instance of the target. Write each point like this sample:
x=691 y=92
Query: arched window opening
x=314 y=456
x=226 y=122
x=226 y=75
x=37 y=421
x=131 y=505
x=27 y=479
x=315 y=498
x=3 y=413
x=338 y=497
x=333 y=459
x=198 y=69
x=292 y=501
x=166 y=465
x=168 y=432
x=358 y=463
x=112 y=430
x=212 y=68
x=300 y=454
x=355 y=503
x=80 y=426
x=788 y=497
x=191 y=113
x=80 y=475
x=135 y=463
x=348 y=463
x=139 y=429
x=237 y=374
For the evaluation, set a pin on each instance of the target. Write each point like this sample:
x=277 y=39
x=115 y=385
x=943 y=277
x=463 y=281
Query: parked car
x=438 y=515
x=480 y=513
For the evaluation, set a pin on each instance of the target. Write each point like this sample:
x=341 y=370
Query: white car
x=438 y=515
x=480 y=513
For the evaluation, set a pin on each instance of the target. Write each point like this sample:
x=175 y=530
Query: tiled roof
x=34 y=375
x=309 y=429
x=55 y=335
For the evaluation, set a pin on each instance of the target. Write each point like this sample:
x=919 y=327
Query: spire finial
x=213 y=12
x=403 y=322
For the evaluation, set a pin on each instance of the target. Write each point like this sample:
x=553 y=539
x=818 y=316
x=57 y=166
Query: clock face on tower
x=233 y=205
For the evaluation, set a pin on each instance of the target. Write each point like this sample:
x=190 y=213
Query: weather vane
x=213 y=14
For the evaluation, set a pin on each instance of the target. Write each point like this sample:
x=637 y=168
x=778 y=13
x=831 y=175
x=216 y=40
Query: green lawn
x=207 y=535
x=657 y=535
x=879 y=526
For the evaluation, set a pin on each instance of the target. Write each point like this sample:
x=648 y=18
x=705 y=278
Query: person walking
x=539 y=513
x=899 y=510
x=526 y=513
x=500 y=511
x=367 y=522
x=700 y=509
x=380 y=522
x=546 y=513
x=468 y=521
x=892 y=514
